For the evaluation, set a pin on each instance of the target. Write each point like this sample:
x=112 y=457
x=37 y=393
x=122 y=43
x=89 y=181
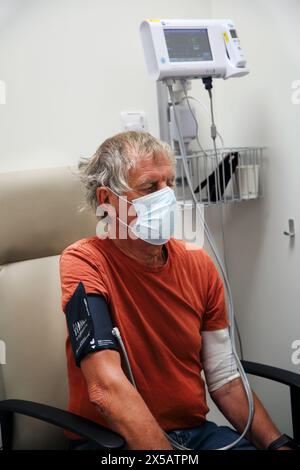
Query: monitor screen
x=188 y=45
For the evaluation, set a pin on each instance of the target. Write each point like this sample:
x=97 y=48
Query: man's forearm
x=127 y=414
x=232 y=401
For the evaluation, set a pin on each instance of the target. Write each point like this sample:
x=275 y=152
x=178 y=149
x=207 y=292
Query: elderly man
x=168 y=304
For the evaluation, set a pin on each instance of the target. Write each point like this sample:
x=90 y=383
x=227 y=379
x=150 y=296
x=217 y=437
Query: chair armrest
x=285 y=377
x=89 y=430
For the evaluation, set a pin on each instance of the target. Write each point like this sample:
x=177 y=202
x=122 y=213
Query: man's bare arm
x=119 y=402
x=232 y=401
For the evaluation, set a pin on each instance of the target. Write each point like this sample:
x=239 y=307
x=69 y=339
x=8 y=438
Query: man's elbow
x=226 y=389
x=101 y=396
x=106 y=393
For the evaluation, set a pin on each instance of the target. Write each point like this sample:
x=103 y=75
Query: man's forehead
x=152 y=169
x=153 y=177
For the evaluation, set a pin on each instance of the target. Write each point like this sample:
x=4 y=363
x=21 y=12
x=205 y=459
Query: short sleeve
x=215 y=316
x=75 y=266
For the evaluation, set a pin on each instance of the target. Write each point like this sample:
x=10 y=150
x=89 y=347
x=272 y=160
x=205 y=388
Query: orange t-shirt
x=160 y=313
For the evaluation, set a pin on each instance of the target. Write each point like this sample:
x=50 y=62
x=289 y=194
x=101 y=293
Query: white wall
x=71 y=67
x=264 y=267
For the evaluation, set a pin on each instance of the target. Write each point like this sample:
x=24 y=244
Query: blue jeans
x=208 y=436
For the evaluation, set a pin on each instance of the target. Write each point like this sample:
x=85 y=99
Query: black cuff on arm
x=89 y=324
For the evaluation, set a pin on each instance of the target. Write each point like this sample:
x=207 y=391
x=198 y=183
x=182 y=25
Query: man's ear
x=105 y=203
x=102 y=195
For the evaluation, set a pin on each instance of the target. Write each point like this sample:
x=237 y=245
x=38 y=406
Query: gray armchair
x=39 y=219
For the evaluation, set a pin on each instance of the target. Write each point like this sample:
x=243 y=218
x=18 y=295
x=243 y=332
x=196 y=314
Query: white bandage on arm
x=218 y=361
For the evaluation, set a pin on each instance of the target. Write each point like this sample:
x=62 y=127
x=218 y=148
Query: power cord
x=208 y=85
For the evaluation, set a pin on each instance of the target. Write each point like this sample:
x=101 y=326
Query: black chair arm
x=273 y=373
x=286 y=377
x=89 y=430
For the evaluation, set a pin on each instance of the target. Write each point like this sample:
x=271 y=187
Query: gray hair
x=110 y=164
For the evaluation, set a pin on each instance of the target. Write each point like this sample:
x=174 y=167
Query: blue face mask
x=156 y=216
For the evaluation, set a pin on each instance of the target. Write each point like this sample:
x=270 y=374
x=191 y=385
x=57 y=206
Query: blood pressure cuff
x=89 y=324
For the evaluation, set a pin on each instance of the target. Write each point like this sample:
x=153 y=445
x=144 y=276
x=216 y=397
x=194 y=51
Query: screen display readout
x=188 y=45
x=233 y=33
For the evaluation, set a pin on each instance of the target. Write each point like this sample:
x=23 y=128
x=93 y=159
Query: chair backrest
x=39 y=217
